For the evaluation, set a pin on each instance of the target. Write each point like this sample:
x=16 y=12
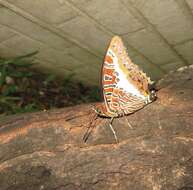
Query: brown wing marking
x=122 y=102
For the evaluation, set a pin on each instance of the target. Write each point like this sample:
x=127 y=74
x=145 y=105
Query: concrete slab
x=87 y=33
x=185 y=50
x=167 y=17
x=190 y=3
x=73 y=35
x=111 y=14
x=83 y=56
x=58 y=58
x=52 y=12
x=151 y=46
x=172 y=66
x=5 y=33
x=30 y=29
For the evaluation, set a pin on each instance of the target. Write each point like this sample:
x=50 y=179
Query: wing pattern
x=125 y=86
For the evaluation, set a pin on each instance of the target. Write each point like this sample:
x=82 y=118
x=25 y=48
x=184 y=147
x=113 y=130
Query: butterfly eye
x=151 y=86
x=153 y=95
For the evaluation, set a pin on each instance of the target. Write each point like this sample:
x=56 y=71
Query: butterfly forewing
x=125 y=86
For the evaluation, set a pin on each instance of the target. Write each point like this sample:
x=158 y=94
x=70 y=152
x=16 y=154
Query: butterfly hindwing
x=125 y=86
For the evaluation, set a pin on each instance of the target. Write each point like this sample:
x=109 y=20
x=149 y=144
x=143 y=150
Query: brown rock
x=45 y=150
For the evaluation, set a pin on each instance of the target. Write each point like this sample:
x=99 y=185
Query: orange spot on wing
x=108 y=71
x=108 y=59
x=108 y=89
x=107 y=82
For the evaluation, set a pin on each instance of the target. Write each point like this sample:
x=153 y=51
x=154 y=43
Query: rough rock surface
x=45 y=150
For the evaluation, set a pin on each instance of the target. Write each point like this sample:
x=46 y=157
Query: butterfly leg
x=90 y=128
x=111 y=127
x=130 y=126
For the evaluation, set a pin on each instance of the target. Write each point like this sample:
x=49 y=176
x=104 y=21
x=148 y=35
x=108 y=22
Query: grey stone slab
x=23 y=44
x=172 y=66
x=52 y=12
x=30 y=29
x=5 y=33
x=45 y=53
x=78 y=72
x=190 y=3
x=89 y=75
x=6 y=52
x=83 y=55
x=186 y=50
x=85 y=73
x=167 y=17
x=150 y=45
x=47 y=67
x=131 y=52
x=87 y=33
x=89 y=24
x=112 y=14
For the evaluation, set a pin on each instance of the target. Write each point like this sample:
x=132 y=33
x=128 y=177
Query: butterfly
x=125 y=87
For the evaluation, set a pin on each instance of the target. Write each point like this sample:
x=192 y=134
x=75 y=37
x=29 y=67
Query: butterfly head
x=152 y=95
x=152 y=92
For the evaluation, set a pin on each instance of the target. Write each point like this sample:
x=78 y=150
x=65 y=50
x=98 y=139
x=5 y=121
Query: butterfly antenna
x=111 y=127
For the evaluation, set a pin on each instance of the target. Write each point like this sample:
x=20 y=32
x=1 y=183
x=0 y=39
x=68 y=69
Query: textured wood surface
x=45 y=150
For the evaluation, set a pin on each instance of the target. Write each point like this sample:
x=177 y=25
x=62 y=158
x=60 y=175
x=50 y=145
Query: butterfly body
x=126 y=88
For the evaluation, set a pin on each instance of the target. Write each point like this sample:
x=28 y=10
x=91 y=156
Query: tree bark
x=45 y=150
